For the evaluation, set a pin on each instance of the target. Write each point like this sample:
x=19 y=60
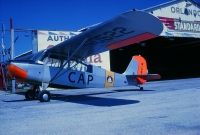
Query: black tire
x=30 y=95
x=36 y=90
x=44 y=96
x=141 y=88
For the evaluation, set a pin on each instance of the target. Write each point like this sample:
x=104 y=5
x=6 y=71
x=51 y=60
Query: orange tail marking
x=142 y=69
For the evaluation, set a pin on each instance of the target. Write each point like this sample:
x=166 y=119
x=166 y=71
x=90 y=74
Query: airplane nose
x=17 y=72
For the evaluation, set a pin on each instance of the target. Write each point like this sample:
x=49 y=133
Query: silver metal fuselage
x=68 y=77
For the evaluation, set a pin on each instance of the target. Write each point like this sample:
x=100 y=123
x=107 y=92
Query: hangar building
x=176 y=52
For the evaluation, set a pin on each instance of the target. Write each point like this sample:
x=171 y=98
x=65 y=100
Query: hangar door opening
x=176 y=52
x=172 y=58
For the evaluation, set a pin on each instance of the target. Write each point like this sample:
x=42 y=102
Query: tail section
x=137 y=71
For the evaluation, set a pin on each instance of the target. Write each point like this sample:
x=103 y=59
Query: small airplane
x=64 y=65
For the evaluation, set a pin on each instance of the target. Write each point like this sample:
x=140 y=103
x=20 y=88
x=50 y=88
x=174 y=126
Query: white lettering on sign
x=187 y=26
x=186 y=11
x=181 y=19
x=57 y=38
x=181 y=25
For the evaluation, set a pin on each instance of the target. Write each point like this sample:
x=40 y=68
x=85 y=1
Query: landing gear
x=44 y=96
x=37 y=93
x=30 y=95
x=141 y=88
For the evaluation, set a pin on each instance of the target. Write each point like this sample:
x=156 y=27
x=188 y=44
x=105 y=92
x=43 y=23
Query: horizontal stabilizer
x=151 y=77
x=148 y=77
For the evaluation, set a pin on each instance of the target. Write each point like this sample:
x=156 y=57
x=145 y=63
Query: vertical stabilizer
x=138 y=69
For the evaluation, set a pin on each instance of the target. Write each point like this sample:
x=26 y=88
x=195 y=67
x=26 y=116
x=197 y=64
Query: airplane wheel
x=141 y=88
x=30 y=95
x=44 y=96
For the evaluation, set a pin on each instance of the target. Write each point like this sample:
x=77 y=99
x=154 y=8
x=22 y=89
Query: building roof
x=170 y=3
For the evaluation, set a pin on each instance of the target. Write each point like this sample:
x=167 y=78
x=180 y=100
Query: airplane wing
x=126 y=29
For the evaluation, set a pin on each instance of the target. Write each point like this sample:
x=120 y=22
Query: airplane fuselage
x=95 y=78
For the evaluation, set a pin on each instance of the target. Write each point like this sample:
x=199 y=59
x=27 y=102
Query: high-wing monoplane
x=64 y=65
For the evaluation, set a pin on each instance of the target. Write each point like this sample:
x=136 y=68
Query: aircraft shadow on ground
x=19 y=100
x=87 y=100
x=92 y=99
x=126 y=90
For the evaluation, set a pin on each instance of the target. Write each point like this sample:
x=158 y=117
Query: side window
x=76 y=66
x=52 y=62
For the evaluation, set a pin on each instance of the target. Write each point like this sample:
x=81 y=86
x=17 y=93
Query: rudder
x=138 y=68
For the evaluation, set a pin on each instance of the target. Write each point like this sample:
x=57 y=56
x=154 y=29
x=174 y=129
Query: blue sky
x=61 y=15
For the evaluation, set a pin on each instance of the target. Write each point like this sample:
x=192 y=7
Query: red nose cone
x=17 y=72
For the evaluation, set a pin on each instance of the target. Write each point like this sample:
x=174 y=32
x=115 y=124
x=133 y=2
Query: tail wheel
x=44 y=96
x=141 y=88
x=30 y=95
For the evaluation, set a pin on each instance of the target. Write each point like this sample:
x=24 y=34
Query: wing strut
x=68 y=59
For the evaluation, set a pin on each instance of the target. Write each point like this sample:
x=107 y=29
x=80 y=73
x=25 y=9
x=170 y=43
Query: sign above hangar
x=181 y=18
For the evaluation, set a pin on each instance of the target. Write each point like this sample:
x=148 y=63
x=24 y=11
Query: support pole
x=12 y=50
x=11 y=39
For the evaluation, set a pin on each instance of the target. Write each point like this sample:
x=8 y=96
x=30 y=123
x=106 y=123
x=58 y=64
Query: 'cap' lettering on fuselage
x=81 y=78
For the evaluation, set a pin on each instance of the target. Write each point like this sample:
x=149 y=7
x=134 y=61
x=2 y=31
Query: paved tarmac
x=163 y=108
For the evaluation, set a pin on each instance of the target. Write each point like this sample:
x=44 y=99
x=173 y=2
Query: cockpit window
x=76 y=66
x=51 y=62
x=61 y=63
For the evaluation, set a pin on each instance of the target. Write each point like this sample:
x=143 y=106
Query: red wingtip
x=131 y=40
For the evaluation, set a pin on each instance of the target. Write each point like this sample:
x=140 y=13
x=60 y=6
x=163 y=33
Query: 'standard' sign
x=181 y=19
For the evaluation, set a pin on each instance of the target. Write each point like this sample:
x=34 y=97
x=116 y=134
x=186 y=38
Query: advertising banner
x=181 y=19
x=47 y=39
